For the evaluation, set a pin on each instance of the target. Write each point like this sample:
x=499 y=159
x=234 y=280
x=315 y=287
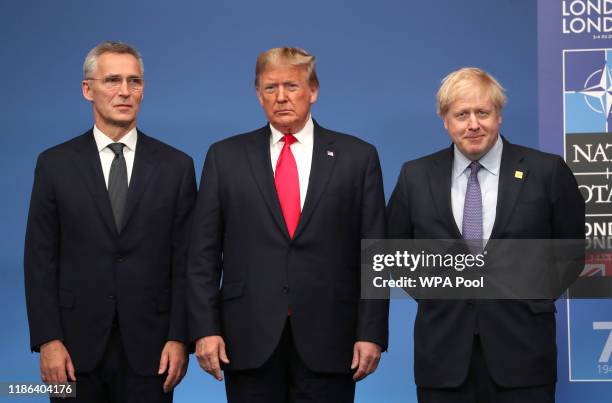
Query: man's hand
x=209 y=350
x=174 y=359
x=365 y=358
x=55 y=363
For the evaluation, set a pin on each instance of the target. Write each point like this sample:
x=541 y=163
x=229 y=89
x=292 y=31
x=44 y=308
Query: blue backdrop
x=379 y=66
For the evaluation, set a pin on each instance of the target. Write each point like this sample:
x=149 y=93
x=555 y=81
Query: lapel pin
x=330 y=153
x=518 y=174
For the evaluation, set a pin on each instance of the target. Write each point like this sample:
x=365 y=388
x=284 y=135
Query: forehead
x=283 y=72
x=118 y=63
x=475 y=95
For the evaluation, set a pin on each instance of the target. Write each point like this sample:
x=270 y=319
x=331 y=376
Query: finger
x=172 y=376
x=61 y=374
x=163 y=363
x=223 y=354
x=361 y=371
x=215 y=368
x=71 y=371
x=372 y=364
x=355 y=361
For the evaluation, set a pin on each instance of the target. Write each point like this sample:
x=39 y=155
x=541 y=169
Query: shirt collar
x=102 y=140
x=491 y=161
x=304 y=136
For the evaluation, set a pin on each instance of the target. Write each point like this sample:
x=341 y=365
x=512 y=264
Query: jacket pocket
x=232 y=290
x=541 y=306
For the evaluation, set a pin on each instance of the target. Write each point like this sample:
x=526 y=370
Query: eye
x=136 y=81
x=293 y=87
x=269 y=89
x=113 y=80
x=483 y=113
x=461 y=115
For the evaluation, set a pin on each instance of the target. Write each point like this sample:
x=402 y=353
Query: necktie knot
x=117 y=148
x=289 y=139
x=474 y=167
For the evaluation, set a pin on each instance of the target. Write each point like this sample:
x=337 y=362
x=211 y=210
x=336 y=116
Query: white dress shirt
x=488 y=177
x=301 y=150
x=107 y=155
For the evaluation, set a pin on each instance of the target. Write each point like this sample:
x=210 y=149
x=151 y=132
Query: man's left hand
x=174 y=360
x=366 y=356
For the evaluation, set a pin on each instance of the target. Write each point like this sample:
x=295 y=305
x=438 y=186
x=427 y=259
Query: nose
x=281 y=96
x=473 y=123
x=124 y=90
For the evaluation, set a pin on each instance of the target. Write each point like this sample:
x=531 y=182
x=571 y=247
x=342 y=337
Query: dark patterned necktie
x=118 y=183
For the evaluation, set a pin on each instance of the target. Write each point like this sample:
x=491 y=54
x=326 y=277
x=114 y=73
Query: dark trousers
x=284 y=378
x=479 y=387
x=114 y=381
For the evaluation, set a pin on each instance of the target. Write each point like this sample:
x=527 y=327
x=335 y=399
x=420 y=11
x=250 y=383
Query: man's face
x=286 y=96
x=114 y=106
x=472 y=122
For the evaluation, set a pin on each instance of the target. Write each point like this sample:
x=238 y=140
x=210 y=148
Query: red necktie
x=288 y=185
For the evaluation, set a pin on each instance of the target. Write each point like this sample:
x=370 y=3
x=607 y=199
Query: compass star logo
x=598 y=91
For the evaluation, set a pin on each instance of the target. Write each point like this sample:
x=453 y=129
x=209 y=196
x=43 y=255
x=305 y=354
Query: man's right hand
x=209 y=350
x=55 y=363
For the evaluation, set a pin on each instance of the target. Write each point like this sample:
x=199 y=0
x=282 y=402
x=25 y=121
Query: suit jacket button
x=119 y=259
x=111 y=296
x=285 y=289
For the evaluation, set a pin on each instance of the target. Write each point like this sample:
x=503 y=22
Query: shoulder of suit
x=165 y=148
x=348 y=140
x=533 y=154
x=426 y=161
x=73 y=144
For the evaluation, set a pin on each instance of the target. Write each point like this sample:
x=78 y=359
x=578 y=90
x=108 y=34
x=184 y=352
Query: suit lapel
x=145 y=165
x=509 y=186
x=89 y=167
x=440 y=188
x=258 y=154
x=321 y=168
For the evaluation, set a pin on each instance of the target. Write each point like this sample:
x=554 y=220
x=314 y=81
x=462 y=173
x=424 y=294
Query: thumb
x=163 y=363
x=70 y=368
x=355 y=362
x=222 y=353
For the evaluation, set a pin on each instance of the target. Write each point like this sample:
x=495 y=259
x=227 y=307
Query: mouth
x=123 y=106
x=283 y=111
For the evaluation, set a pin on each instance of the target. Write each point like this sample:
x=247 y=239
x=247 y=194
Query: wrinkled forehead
x=473 y=92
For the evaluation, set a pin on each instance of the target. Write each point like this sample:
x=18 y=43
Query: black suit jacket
x=240 y=235
x=80 y=273
x=518 y=337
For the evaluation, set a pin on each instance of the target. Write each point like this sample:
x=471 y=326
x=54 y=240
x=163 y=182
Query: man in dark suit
x=106 y=247
x=481 y=188
x=279 y=218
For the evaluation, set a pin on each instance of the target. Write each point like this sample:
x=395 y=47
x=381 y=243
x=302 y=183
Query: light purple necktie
x=472 y=209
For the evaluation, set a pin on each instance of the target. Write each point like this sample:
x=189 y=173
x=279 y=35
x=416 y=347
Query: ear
x=499 y=119
x=259 y=96
x=314 y=93
x=86 y=88
x=445 y=121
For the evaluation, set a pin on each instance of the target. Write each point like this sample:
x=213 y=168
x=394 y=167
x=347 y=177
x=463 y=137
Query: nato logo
x=587 y=90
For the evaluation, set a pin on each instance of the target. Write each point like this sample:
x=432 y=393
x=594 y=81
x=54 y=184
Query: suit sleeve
x=41 y=255
x=373 y=319
x=181 y=229
x=204 y=265
x=399 y=222
x=568 y=223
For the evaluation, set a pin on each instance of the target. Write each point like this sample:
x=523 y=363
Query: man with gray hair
x=106 y=247
x=484 y=187
x=279 y=217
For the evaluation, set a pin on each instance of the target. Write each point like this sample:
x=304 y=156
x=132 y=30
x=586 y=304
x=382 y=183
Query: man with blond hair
x=106 y=247
x=279 y=219
x=484 y=187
